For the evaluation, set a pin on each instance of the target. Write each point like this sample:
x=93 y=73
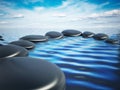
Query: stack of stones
x=19 y=72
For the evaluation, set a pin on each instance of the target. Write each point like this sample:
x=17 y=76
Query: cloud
x=3 y=22
x=18 y=16
x=59 y=15
x=76 y=6
x=38 y=9
x=115 y=12
x=104 y=4
x=4 y=3
x=111 y=13
x=5 y=6
x=71 y=14
x=65 y=4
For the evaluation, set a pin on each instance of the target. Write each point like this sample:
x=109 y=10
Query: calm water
x=12 y=34
x=88 y=64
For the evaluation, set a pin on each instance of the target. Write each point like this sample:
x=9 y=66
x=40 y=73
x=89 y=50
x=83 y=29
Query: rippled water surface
x=88 y=64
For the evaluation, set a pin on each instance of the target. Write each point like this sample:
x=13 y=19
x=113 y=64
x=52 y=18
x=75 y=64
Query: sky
x=59 y=14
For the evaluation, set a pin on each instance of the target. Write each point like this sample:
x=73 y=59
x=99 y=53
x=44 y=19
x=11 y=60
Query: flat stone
x=54 y=34
x=0 y=36
x=87 y=34
x=35 y=38
x=24 y=43
x=71 y=32
x=1 y=39
x=25 y=73
x=112 y=41
x=23 y=51
x=7 y=51
x=100 y=36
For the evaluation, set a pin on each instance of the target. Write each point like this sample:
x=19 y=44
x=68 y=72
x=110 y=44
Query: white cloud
x=59 y=15
x=38 y=9
x=74 y=15
x=65 y=4
x=111 y=13
x=3 y=22
x=104 y=4
x=73 y=7
x=18 y=16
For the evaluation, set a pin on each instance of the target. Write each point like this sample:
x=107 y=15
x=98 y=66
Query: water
x=12 y=34
x=88 y=64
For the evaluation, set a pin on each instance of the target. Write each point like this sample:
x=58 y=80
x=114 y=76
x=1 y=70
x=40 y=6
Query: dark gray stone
x=7 y=51
x=24 y=73
x=35 y=38
x=23 y=51
x=112 y=41
x=0 y=36
x=54 y=34
x=24 y=43
x=87 y=34
x=1 y=39
x=100 y=36
x=71 y=32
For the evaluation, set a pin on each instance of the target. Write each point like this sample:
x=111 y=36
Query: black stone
x=1 y=39
x=87 y=34
x=24 y=43
x=7 y=51
x=71 y=32
x=100 y=36
x=0 y=36
x=54 y=34
x=35 y=38
x=112 y=41
x=24 y=73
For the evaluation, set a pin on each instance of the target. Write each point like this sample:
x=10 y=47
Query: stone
x=35 y=38
x=100 y=36
x=1 y=45
x=7 y=51
x=112 y=41
x=0 y=36
x=25 y=73
x=87 y=34
x=24 y=43
x=71 y=32
x=1 y=39
x=54 y=35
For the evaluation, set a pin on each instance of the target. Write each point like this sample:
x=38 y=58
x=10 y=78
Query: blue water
x=88 y=64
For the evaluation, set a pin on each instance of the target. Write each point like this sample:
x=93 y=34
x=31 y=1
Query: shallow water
x=88 y=64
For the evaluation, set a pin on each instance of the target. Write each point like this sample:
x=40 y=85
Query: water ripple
x=89 y=84
x=83 y=57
